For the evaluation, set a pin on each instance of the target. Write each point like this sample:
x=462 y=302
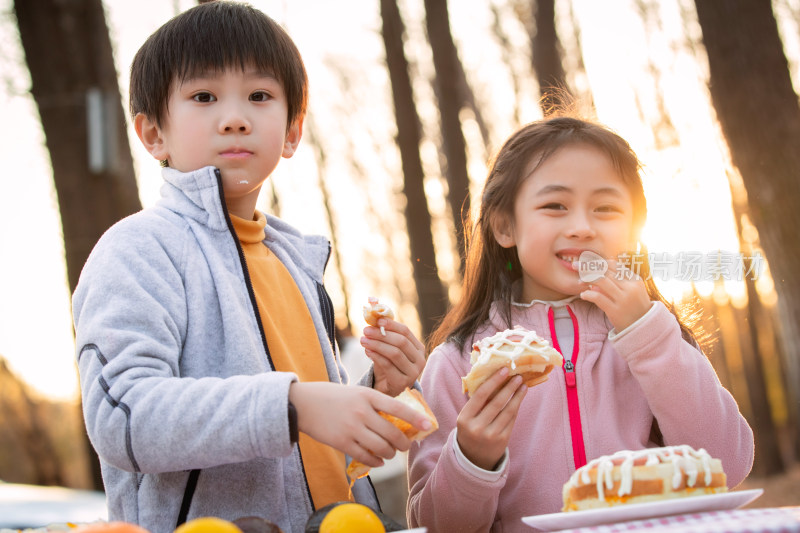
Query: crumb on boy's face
x=233 y=120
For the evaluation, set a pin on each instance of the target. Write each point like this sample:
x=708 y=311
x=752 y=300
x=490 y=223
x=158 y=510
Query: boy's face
x=234 y=120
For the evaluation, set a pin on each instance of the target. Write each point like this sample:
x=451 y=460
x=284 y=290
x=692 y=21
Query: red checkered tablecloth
x=770 y=520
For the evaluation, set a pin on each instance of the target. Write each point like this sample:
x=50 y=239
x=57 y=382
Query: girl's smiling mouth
x=569 y=257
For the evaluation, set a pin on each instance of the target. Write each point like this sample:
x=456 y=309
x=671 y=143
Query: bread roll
x=522 y=351
x=413 y=399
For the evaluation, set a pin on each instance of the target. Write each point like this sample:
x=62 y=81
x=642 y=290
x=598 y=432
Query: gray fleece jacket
x=180 y=397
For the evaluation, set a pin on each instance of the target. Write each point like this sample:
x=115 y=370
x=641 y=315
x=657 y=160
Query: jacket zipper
x=251 y=293
x=254 y=305
x=575 y=427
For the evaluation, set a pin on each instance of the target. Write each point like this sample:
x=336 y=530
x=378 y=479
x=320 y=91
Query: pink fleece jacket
x=623 y=381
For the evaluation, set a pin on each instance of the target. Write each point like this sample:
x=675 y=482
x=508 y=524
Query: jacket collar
x=534 y=317
x=196 y=195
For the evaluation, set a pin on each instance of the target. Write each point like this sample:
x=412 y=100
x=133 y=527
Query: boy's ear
x=503 y=231
x=293 y=138
x=150 y=135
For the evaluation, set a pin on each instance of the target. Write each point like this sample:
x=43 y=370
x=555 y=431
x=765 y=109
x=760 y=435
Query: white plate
x=637 y=511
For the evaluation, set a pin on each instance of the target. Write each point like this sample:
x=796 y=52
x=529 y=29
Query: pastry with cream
x=524 y=353
x=376 y=310
x=643 y=476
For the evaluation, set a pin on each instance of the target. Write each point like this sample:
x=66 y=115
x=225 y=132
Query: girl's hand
x=620 y=294
x=485 y=423
x=398 y=357
x=347 y=419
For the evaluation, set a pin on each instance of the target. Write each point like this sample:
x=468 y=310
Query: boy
x=204 y=333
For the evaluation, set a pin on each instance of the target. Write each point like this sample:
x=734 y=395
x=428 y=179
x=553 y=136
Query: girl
x=559 y=188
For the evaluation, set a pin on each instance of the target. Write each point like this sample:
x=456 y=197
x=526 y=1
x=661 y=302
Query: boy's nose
x=234 y=122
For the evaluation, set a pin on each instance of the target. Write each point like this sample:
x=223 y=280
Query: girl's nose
x=581 y=227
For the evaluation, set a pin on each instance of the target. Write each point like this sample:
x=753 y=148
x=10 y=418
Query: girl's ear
x=293 y=137
x=503 y=231
x=150 y=135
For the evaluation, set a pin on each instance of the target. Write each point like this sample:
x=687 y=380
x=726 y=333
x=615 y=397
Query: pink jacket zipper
x=578 y=449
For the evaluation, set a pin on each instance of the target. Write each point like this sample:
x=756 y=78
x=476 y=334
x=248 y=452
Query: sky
x=688 y=194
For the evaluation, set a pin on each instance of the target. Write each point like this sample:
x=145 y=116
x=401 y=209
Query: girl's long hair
x=490 y=269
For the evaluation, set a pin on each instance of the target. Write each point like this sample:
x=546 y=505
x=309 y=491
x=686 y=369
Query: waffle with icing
x=522 y=351
x=643 y=476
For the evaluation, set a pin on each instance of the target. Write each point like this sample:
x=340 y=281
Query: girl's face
x=575 y=201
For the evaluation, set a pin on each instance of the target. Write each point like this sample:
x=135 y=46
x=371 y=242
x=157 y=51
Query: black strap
x=294 y=432
x=188 y=494
x=328 y=318
x=375 y=493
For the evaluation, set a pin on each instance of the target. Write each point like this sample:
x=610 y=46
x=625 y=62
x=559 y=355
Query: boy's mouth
x=236 y=153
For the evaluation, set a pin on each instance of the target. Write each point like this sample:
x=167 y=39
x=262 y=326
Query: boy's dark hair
x=215 y=36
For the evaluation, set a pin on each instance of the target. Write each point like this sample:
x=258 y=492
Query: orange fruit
x=351 y=518
x=208 y=524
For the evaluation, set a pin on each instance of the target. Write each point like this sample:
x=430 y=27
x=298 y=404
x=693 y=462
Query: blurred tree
x=469 y=101
x=432 y=298
x=74 y=84
x=577 y=77
x=665 y=134
x=546 y=54
x=760 y=117
x=322 y=165
x=507 y=53
x=384 y=222
x=29 y=456
x=448 y=88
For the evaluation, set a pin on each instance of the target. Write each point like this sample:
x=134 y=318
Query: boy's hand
x=398 y=357
x=485 y=423
x=347 y=419
x=620 y=294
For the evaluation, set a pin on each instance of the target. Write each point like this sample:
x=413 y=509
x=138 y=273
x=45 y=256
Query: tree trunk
x=431 y=302
x=69 y=55
x=769 y=457
x=448 y=91
x=760 y=117
x=768 y=460
x=547 y=58
x=74 y=84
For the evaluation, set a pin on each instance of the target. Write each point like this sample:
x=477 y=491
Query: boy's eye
x=260 y=96
x=203 y=97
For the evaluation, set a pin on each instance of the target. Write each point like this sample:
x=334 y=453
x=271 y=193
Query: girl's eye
x=554 y=206
x=260 y=96
x=609 y=209
x=204 y=97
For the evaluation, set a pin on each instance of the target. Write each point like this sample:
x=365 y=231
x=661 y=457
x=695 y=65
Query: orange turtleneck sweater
x=291 y=338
